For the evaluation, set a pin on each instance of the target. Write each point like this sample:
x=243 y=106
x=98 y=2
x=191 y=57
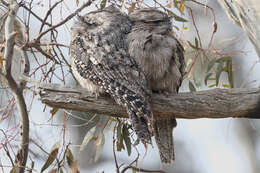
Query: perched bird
x=128 y=57
x=160 y=56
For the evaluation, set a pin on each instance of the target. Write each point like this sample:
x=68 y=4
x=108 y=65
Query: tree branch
x=17 y=90
x=216 y=103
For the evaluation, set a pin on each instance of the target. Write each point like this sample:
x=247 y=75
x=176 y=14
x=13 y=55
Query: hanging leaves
x=123 y=138
x=53 y=154
x=119 y=143
x=87 y=138
x=223 y=64
x=99 y=144
x=127 y=139
x=192 y=87
x=211 y=64
x=54 y=111
x=103 y=4
x=182 y=7
x=69 y=157
x=176 y=17
x=207 y=78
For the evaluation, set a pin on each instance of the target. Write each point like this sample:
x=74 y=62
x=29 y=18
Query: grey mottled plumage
x=128 y=57
x=160 y=56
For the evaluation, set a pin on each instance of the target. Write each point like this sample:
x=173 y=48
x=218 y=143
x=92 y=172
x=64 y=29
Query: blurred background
x=201 y=145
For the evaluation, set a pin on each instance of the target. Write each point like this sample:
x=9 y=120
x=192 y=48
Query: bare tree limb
x=216 y=103
x=15 y=88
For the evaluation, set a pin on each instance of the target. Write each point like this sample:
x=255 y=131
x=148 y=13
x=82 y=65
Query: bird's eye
x=153 y=21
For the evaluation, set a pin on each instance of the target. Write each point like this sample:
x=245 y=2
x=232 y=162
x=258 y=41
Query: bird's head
x=151 y=18
x=100 y=18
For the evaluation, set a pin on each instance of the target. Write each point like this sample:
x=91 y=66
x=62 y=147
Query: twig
x=195 y=26
x=114 y=153
x=47 y=14
x=142 y=170
x=135 y=161
x=8 y=154
x=66 y=19
x=5 y=3
x=214 y=21
x=35 y=15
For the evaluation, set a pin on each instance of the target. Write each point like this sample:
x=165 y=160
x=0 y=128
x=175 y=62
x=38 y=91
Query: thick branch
x=216 y=103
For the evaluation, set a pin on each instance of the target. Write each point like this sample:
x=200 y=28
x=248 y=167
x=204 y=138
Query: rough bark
x=16 y=88
x=216 y=103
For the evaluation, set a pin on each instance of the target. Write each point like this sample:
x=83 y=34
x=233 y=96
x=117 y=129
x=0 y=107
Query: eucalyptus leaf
x=176 y=17
x=53 y=154
x=192 y=87
x=87 y=138
x=127 y=139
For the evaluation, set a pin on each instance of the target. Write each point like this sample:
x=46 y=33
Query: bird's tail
x=140 y=126
x=163 y=129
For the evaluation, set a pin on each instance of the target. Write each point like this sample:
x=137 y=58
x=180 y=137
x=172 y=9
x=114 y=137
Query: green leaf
x=230 y=74
x=226 y=86
x=192 y=87
x=69 y=157
x=175 y=3
x=211 y=64
x=219 y=71
x=54 y=111
x=192 y=46
x=103 y=4
x=207 y=78
x=118 y=130
x=119 y=144
x=13 y=170
x=196 y=43
x=176 y=17
x=212 y=85
x=113 y=119
x=53 y=154
x=133 y=170
x=127 y=139
x=137 y=141
x=87 y=138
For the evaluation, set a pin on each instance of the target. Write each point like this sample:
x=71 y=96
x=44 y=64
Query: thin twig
x=35 y=15
x=143 y=170
x=214 y=21
x=114 y=153
x=195 y=26
x=5 y=3
x=47 y=14
x=8 y=154
x=66 y=19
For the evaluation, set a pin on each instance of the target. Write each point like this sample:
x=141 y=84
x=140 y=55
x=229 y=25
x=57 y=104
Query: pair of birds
x=130 y=57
